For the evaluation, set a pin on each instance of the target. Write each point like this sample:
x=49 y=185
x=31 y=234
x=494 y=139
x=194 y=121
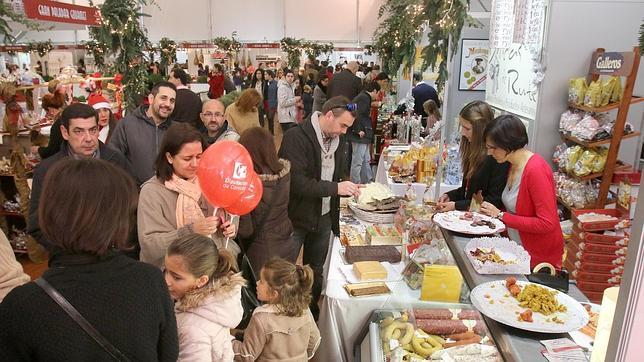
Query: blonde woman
x=244 y=113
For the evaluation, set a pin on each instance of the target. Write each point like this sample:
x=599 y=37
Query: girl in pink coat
x=207 y=289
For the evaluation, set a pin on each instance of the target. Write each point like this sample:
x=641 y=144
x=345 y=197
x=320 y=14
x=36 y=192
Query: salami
x=445 y=327
x=446 y=314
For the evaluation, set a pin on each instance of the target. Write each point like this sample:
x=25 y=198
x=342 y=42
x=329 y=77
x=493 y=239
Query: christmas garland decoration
x=314 y=49
x=126 y=39
x=98 y=51
x=397 y=35
x=8 y=14
x=41 y=47
x=230 y=46
x=168 y=51
x=293 y=48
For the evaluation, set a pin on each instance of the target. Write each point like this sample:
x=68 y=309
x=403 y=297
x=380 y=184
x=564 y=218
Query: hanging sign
x=61 y=12
x=261 y=45
x=502 y=23
x=511 y=82
x=612 y=63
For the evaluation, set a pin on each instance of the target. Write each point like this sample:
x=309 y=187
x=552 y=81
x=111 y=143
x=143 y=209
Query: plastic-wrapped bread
x=447 y=314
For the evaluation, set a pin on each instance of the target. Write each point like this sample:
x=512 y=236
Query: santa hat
x=97 y=101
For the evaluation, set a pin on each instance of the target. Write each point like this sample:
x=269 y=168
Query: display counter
x=345 y=321
x=515 y=344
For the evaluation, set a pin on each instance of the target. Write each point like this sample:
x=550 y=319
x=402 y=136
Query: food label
x=612 y=63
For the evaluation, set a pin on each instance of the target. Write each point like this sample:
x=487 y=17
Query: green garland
x=397 y=35
x=41 y=47
x=168 y=51
x=293 y=48
x=98 y=51
x=231 y=46
x=314 y=49
x=7 y=14
x=124 y=36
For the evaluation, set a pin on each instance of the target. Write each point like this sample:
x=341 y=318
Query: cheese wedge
x=369 y=270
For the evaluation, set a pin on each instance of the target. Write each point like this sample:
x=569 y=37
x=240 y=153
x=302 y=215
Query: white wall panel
x=178 y=20
x=330 y=20
x=252 y=19
x=368 y=18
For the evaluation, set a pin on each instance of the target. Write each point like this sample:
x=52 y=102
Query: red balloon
x=225 y=171
x=249 y=200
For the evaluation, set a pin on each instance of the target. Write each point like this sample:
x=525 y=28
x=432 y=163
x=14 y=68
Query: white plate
x=451 y=221
x=507 y=249
x=504 y=309
x=582 y=339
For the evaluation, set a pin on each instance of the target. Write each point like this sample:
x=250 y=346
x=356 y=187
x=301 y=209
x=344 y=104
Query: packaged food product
x=577 y=90
x=607 y=90
x=617 y=91
x=369 y=270
x=586 y=129
x=383 y=235
x=584 y=163
x=569 y=120
x=573 y=155
x=600 y=160
x=593 y=95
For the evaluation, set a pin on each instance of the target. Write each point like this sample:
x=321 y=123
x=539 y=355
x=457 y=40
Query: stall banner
x=512 y=84
x=474 y=63
x=61 y=12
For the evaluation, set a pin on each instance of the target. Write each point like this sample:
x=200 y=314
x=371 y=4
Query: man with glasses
x=216 y=127
x=79 y=127
x=317 y=161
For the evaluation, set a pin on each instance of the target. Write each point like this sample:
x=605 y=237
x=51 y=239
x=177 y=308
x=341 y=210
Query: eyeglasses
x=210 y=115
x=351 y=107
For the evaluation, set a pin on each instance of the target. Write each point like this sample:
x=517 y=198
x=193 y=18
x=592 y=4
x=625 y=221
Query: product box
x=441 y=283
x=574 y=254
x=598 y=237
x=595 y=277
x=596 y=225
x=598 y=248
x=598 y=268
x=594 y=286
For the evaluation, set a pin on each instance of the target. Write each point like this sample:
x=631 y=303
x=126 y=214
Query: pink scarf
x=188 y=208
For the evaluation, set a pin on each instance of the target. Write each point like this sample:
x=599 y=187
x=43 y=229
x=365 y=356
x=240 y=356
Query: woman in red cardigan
x=529 y=195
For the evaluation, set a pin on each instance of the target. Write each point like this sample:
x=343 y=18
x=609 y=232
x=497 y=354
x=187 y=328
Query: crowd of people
x=153 y=268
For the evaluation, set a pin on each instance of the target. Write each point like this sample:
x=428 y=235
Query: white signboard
x=511 y=80
x=474 y=62
x=502 y=23
x=529 y=21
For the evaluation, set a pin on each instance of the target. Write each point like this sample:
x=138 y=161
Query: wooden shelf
x=620 y=166
x=605 y=108
x=597 y=143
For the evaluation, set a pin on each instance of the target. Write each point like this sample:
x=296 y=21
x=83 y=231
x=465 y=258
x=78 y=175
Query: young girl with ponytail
x=207 y=289
x=283 y=329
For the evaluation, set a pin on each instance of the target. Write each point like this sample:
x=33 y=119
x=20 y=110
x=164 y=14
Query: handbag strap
x=81 y=321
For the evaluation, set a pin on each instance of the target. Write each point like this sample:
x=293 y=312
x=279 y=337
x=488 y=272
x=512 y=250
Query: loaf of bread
x=373 y=253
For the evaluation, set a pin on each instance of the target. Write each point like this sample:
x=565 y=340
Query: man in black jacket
x=316 y=155
x=188 y=104
x=79 y=127
x=361 y=135
x=345 y=83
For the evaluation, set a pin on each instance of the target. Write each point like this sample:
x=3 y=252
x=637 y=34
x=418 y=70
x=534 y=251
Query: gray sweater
x=139 y=139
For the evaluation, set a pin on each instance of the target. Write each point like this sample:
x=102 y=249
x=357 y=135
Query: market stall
x=349 y=319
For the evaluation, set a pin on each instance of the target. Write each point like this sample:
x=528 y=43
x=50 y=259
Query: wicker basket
x=373 y=217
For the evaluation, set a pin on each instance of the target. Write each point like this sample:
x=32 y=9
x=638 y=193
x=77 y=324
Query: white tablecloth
x=399 y=189
x=342 y=317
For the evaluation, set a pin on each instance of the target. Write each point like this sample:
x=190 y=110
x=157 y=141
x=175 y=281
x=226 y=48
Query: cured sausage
x=446 y=314
x=445 y=327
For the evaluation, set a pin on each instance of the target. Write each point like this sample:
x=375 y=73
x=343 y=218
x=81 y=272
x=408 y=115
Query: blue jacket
x=421 y=93
x=272 y=93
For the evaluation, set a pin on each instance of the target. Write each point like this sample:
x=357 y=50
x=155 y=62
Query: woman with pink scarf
x=171 y=204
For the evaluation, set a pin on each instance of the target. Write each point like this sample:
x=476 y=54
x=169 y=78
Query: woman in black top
x=480 y=171
x=125 y=300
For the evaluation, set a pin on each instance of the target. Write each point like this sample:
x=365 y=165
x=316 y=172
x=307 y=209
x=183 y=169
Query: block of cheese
x=369 y=270
x=383 y=235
